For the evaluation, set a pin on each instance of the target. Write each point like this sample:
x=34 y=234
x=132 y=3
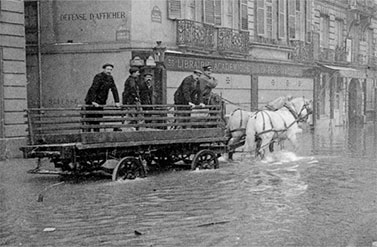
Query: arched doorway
x=355 y=103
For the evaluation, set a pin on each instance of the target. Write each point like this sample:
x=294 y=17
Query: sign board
x=82 y=22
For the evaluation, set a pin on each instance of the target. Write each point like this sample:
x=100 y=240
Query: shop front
x=243 y=84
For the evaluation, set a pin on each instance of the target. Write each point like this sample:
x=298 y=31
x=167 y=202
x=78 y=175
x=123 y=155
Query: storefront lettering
x=176 y=62
x=93 y=16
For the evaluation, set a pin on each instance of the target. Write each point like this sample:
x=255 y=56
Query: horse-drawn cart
x=81 y=140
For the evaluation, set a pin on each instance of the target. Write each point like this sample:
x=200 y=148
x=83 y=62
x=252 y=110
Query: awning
x=345 y=71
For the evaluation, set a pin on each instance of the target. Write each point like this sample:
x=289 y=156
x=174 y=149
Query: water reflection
x=322 y=195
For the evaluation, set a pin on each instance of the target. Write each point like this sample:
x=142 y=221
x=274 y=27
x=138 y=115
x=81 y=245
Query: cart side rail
x=69 y=125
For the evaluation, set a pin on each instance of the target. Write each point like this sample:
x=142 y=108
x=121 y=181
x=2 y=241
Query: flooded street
x=324 y=194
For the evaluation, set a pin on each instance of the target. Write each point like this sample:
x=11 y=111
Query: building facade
x=12 y=78
x=259 y=49
x=346 y=77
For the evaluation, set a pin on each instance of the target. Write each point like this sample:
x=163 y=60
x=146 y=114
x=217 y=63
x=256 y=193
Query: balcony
x=232 y=41
x=364 y=7
x=302 y=51
x=198 y=36
x=340 y=54
x=195 y=35
x=326 y=55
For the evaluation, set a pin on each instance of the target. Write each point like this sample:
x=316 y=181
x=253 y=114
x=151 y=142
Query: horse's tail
x=250 y=144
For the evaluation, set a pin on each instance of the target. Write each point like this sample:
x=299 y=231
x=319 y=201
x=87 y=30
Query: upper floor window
x=243 y=15
x=324 y=31
x=212 y=12
x=339 y=33
x=267 y=20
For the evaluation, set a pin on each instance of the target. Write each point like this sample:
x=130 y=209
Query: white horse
x=236 y=129
x=266 y=127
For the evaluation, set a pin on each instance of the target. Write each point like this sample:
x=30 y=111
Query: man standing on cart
x=146 y=93
x=188 y=93
x=98 y=93
x=130 y=94
x=207 y=83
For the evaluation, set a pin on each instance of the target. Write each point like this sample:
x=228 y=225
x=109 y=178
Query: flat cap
x=207 y=67
x=133 y=70
x=197 y=71
x=107 y=65
x=148 y=73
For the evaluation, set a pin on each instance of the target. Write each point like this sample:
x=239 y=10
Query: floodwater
x=324 y=194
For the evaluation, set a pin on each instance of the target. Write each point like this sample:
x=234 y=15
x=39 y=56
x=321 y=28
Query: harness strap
x=291 y=111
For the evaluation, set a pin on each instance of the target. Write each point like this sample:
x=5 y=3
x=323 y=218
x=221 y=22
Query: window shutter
x=209 y=11
x=260 y=17
x=281 y=21
x=217 y=13
x=291 y=19
x=308 y=16
x=243 y=12
x=174 y=9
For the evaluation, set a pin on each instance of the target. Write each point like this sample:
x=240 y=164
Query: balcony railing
x=195 y=35
x=341 y=54
x=232 y=41
x=327 y=55
x=302 y=51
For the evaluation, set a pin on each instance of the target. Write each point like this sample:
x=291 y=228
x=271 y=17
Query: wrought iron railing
x=232 y=40
x=341 y=54
x=327 y=55
x=302 y=51
x=195 y=35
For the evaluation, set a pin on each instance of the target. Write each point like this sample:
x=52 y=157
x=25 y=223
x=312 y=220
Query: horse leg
x=293 y=140
x=271 y=147
x=231 y=150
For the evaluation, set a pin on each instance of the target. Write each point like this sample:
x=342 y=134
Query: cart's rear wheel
x=205 y=159
x=128 y=168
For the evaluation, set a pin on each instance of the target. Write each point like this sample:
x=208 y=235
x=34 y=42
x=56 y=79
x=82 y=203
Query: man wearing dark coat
x=146 y=94
x=207 y=83
x=131 y=89
x=130 y=94
x=146 y=90
x=98 y=93
x=188 y=93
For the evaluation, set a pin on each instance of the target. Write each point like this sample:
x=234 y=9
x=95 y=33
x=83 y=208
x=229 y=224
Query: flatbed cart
x=80 y=140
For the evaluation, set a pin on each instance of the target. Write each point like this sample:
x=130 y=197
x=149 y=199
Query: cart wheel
x=205 y=159
x=128 y=168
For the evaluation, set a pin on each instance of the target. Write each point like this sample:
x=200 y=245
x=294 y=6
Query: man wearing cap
x=146 y=93
x=207 y=83
x=146 y=89
x=189 y=93
x=98 y=93
x=130 y=94
x=131 y=89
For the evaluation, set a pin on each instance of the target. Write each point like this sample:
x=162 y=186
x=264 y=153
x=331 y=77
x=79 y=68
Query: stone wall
x=12 y=78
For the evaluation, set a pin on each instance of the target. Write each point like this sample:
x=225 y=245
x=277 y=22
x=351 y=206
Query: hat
x=107 y=65
x=207 y=67
x=197 y=71
x=148 y=73
x=133 y=70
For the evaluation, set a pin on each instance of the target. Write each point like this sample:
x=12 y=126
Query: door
x=355 y=105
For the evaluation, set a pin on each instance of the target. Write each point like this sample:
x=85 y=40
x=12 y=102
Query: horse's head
x=303 y=108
